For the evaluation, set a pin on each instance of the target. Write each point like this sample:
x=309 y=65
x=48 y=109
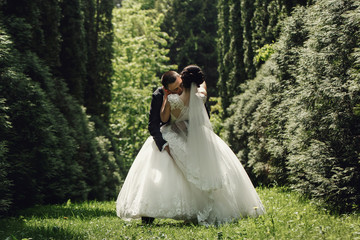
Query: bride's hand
x=166 y=92
x=165 y=109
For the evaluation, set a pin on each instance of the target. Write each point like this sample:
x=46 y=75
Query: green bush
x=5 y=183
x=50 y=150
x=326 y=144
x=297 y=121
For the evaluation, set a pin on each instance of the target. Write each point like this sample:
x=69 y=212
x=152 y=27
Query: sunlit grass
x=287 y=217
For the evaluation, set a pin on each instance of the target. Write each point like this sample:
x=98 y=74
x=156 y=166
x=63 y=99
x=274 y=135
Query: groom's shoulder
x=158 y=91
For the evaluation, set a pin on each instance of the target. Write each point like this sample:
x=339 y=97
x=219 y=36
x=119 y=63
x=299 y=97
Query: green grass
x=288 y=217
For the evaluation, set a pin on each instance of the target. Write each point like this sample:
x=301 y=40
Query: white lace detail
x=177 y=142
x=175 y=101
x=176 y=212
x=202 y=96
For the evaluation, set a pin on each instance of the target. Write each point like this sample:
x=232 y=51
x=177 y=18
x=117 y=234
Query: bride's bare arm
x=203 y=89
x=165 y=110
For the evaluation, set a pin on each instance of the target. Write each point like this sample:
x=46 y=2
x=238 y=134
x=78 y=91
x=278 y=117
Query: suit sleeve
x=154 y=120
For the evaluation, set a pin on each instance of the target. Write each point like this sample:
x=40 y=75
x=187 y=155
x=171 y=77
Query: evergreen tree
x=236 y=51
x=253 y=25
x=192 y=26
x=98 y=87
x=50 y=16
x=39 y=164
x=223 y=53
x=73 y=55
x=52 y=151
x=326 y=144
x=247 y=11
x=297 y=122
x=5 y=183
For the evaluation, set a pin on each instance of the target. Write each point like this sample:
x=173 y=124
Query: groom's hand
x=168 y=150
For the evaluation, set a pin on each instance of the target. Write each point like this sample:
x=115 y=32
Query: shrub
x=297 y=122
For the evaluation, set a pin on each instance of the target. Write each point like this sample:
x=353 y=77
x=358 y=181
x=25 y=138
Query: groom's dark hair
x=169 y=77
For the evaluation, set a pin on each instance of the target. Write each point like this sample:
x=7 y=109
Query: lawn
x=288 y=217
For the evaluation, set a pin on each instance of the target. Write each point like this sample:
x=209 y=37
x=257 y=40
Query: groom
x=171 y=84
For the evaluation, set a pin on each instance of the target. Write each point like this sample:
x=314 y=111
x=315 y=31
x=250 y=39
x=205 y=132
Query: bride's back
x=179 y=105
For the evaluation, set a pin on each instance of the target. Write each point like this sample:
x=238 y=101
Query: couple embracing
x=184 y=171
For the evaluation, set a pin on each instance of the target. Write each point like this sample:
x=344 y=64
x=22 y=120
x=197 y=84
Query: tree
x=223 y=53
x=100 y=69
x=73 y=50
x=51 y=151
x=5 y=184
x=139 y=58
x=252 y=25
x=297 y=122
x=192 y=26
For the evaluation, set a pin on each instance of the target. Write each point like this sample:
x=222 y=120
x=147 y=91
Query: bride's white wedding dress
x=204 y=180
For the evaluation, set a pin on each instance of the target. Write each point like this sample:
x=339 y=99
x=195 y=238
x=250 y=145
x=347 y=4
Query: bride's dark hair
x=190 y=74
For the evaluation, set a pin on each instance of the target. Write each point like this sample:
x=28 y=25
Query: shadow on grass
x=15 y=229
x=168 y=223
x=61 y=211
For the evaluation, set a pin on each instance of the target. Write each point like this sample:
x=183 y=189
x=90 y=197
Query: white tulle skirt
x=157 y=186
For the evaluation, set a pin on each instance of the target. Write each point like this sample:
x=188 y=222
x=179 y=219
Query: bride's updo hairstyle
x=190 y=74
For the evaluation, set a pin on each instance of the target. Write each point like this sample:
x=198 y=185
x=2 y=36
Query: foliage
x=245 y=27
x=35 y=125
x=296 y=122
x=288 y=217
x=326 y=142
x=216 y=113
x=100 y=36
x=50 y=150
x=5 y=183
x=73 y=50
x=224 y=61
x=192 y=27
x=264 y=53
x=139 y=60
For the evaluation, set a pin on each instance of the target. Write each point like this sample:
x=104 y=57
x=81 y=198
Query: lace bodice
x=179 y=111
x=175 y=101
x=178 y=108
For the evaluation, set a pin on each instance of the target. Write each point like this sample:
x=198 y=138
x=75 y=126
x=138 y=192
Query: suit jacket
x=154 y=117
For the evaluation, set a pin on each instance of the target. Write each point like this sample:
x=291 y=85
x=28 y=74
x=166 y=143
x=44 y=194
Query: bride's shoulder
x=173 y=97
x=202 y=96
x=174 y=100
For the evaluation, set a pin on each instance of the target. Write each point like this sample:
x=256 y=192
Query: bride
x=202 y=180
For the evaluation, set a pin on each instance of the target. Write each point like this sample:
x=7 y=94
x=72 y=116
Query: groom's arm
x=154 y=120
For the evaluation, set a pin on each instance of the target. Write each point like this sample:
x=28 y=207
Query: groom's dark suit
x=154 y=118
x=154 y=128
